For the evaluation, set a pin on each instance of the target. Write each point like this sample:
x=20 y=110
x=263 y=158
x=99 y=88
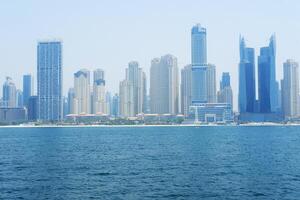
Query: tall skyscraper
x=199 y=64
x=186 y=89
x=28 y=88
x=135 y=75
x=126 y=99
x=71 y=95
x=211 y=83
x=82 y=102
x=49 y=79
x=199 y=49
x=267 y=86
x=99 y=95
x=290 y=89
x=246 y=96
x=225 y=92
x=9 y=94
x=164 y=86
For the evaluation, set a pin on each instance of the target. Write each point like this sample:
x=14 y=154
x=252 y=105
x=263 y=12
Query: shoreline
x=144 y=126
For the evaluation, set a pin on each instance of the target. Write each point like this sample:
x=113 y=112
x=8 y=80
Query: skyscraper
x=164 y=86
x=267 y=90
x=49 y=79
x=32 y=107
x=225 y=92
x=19 y=98
x=99 y=97
x=225 y=82
x=28 y=88
x=9 y=94
x=290 y=89
x=115 y=105
x=135 y=75
x=186 y=89
x=246 y=96
x=211 y=83
x=126 y=99
x=82 y=102
x=199 y=49
x=199 y=64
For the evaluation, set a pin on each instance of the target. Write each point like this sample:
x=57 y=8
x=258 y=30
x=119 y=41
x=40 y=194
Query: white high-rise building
x=82 y=102
x=164 y=85
x=126 y=99
x=99 y=95
x=135 y=75
x=290 y=89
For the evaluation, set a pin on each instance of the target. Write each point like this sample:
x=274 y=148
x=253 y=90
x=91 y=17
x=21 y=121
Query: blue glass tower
x=27 y=88
x=49 y=79
x=246 y=78
x=199 y=64
x=267 y=86
x=225 y=82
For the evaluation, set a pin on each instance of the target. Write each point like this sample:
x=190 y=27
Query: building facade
x=99 y=95
x=28 y=88
x=247 y=91
x=290 y=89
x=49 y=79
x=126 y=99
x=267 y=85
x=9 y=97
x=186 y=89
x=164 y=85
x=82 y=100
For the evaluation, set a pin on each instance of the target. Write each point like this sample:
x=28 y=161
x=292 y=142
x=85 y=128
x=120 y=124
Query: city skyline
x=88 y=45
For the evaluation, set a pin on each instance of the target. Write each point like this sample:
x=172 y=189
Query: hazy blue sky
x=109 y=34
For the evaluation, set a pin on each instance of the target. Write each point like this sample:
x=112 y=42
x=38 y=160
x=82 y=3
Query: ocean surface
x=150 y=163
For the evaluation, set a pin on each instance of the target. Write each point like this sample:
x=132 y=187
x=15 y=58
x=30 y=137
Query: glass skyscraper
x=199 y=64
x=267 y=90
x=247 y=95
x=49 y=79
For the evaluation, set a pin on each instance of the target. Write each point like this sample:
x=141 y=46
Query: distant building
x=19 y=99
x=164 y=85
x=11 y=115
x=99 y=94
x=81 y=101
x=28 y=88
x=32 y=108
x=186 y=89
x=267 y=85
x=115 y=105
x=198 y=47
x=136 y=76
x=211 y=84
x=108 y=99
x=225 y=92
x=126 y=99
x=290 y=89
x=9 y=97
x=246 y=96
x=71 y=95
x=49 y=79
x=203 y=74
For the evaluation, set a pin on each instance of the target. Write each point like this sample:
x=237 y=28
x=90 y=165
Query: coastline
x=144 y=126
